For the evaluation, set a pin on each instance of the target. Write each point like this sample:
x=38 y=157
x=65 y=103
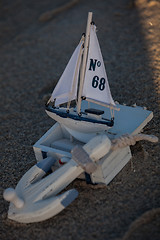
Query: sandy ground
x=32 y=57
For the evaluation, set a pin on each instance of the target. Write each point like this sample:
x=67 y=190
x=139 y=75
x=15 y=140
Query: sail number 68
x=100 y=83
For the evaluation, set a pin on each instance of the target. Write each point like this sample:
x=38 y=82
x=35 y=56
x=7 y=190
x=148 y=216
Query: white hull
x=80 y=130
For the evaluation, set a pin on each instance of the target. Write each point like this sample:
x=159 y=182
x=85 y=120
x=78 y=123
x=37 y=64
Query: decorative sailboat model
x=84 y=78
x=38 y=195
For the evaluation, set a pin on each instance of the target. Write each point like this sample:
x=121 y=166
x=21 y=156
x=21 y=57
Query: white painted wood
x=11 y=196
x=80 y=130
x=76 y=76
x=39 y=192
x=64 y=144
x=46 y=143
x=107 y=165
x=118 y=167
x=84 y=60
x=38 y=153
x=103 y=104
x=130 y=120
x=98 y=147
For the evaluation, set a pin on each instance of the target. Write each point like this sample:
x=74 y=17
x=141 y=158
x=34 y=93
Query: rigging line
x=112 y=113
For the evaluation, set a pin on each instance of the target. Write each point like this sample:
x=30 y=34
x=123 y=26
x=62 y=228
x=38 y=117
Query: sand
x=33 y=54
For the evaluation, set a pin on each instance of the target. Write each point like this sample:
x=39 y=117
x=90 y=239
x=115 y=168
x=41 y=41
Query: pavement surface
x=34 y=50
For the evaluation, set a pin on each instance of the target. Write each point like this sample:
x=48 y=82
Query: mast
x=76 y=73
x=84 y=61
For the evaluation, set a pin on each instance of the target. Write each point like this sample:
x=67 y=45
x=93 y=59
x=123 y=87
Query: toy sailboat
x=84 y=78
x=78 y=145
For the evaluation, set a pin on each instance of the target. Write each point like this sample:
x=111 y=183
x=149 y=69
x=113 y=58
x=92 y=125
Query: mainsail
x=96 y=85
x=66 y=88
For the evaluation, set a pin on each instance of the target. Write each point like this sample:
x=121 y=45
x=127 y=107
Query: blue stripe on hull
x=77 y=117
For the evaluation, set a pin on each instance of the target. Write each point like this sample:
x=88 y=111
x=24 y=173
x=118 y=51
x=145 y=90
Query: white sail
x=66 y=88
x=96 y=85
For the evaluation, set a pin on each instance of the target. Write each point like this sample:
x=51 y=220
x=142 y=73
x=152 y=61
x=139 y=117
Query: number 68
x=100 y=83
